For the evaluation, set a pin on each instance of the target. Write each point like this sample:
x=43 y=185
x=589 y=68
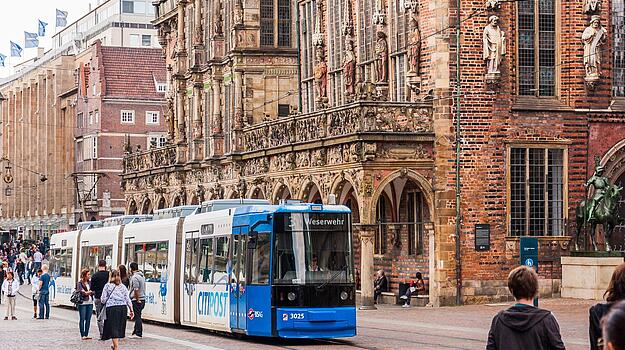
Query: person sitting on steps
x=415 y=287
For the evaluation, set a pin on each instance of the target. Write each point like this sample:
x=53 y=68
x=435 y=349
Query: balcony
x=154 y=159
x=355 y=118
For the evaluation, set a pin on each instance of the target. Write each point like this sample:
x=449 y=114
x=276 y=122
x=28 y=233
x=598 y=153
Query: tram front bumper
x=338 y=322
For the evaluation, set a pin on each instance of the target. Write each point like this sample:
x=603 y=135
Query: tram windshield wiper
x=334 y=276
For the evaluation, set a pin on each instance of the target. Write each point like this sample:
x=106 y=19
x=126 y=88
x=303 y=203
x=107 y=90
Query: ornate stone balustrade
x=152 y=159
x=369 y=116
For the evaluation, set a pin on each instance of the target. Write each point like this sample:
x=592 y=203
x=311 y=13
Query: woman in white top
x=116 y=302
x=10 y=287
x=85 y=309
x=35 y=291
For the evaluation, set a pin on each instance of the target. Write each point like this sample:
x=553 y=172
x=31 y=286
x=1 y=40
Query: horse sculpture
x=605 y=213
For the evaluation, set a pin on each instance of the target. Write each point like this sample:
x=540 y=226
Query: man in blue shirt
x=44 y=293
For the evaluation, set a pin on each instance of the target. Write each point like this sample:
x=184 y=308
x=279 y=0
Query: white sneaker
x=134 y=337
x=406 y=305
x=403 y=297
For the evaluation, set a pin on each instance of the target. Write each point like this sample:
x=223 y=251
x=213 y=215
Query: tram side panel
x=63 y=266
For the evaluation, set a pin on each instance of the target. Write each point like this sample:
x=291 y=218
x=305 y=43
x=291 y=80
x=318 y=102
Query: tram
x=236 y=266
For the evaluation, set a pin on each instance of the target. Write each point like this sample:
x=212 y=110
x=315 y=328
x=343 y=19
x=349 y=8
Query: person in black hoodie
x=523 y=326
x=613 y=326
x=98 y=281
x=614 y=293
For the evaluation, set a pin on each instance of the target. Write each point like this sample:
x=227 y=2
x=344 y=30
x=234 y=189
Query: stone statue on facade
x=414 y=46
x=493 y=5
x=494 y=48
x=320 y=73
x=381 y=58
x=592 y=6
x=593 y=37
x=349 y=67
x=601 y=208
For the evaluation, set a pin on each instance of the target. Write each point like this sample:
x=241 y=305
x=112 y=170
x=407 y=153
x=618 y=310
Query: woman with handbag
x=116 y=301
x=85 y=308
x=35 y=291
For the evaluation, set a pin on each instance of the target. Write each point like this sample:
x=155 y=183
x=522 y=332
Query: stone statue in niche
x=592 y=6
x=414 y=46
x=349 y=67
x=321 y=77
x=493 y=5
x=381 y=58
x=593 y=37
x=494 y=49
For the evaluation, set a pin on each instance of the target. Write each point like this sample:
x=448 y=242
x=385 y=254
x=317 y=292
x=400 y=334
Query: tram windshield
x=312 y=248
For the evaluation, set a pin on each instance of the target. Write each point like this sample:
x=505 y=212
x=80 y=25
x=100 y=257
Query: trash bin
x=403 y=287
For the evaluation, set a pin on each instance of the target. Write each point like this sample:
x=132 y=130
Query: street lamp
x=8 y=191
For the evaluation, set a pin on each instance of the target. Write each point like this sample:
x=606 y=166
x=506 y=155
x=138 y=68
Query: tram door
x=238 y=303
x=189 y=297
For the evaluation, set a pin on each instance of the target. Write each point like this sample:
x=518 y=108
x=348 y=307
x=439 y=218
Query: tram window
x=191 y=251
x=260 y=263
x=61 y=262
x=206 y=260
x=221 y=261
x=90 y=256
x=151 y=258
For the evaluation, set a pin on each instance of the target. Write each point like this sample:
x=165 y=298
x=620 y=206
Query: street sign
x=482 y=237
x=529 y=255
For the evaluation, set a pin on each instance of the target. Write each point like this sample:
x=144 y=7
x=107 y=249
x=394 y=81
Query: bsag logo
x=251 y=314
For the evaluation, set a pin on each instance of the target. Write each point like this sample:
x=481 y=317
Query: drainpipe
x=458 y=216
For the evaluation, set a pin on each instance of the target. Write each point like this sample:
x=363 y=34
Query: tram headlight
x=291 y=296
x=344 y=295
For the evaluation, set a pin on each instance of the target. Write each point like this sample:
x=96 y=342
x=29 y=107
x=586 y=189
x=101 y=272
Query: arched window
x=618 y=30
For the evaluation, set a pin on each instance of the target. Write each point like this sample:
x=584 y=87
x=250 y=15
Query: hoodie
x=524 y=327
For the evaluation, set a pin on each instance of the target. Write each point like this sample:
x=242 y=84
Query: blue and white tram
x=269 y=270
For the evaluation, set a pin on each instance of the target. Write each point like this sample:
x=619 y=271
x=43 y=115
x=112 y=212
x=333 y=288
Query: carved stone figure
x=321 y=77
x=414 y=46
x=494 y=47
x=381 y=58
x=238 y=13
x=593 y=37
x=349 y=67
x=592 y=6
x=218 y=20
x=493 y=5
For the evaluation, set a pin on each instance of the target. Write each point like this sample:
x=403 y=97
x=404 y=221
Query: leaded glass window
x=275 y=31
x=266 y=22
x=367 y=38
x=284 y=23
x=308 y=11
x=537 y=47
x=336 y=48
x=618 y=30
x=536 y=191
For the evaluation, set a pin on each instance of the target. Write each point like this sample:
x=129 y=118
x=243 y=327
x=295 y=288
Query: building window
x=308 y=12
x=266 y=22
x=537 y=47
x=367 y=38
x=336 y=47
x=96 y=116
x=79 y=151
x=284 y=23
x=161 y=87
x=79 y=121
x=151 y=117
x=90 y=118
x=128 y=117
x=146 y=40
x=284 y=110
x=155 y=141
x=415 y=223
x=399 y=77
x=536 y=192
x=379 y=244
x=128 y=6
x=618 y=28
x=135 y=40
x=89 y=148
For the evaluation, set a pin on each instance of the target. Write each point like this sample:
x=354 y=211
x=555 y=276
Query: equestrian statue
x=601 y=208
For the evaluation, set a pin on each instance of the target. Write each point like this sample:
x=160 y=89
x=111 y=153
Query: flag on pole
x=42 y=28
x=16 y=50
x=30 y=40
x=2 y=57
x=61 y=18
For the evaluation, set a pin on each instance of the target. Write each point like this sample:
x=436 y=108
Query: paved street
x=390 y=327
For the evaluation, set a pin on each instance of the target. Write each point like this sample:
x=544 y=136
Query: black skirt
x=115 y=323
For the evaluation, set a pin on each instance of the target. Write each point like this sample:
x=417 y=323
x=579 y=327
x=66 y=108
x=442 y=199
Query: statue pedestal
x=586 y=275
x=592 y=80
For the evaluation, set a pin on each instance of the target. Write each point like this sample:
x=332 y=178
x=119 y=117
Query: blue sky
x=22 y=15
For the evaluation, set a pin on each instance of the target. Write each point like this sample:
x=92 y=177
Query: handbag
x=76 y=298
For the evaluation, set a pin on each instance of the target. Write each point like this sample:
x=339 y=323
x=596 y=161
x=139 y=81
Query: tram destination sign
x=482 y=237
x=316 y=222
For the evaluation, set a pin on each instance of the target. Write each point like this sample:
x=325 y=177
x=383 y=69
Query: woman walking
x=35 y=291
x=123 y=274
x=85 y=310
x=10 y=287
x=116 y=302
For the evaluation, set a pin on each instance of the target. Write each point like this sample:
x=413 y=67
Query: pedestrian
x=613 y=328
x=98 y=281
x=380 y=285
x=10 y=286
x=30 y=269
x=2 y=276
x=137 y=296
x=614 y=294
x=19 y=269
x=123 y=274
x=85 y=308
x=37 y=258
x=35 y=291
x=523 y=326
x=44 y=293
x=116 y=301
x=416 y=286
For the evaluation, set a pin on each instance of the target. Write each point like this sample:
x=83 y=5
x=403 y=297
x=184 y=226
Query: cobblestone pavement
x=389 y=327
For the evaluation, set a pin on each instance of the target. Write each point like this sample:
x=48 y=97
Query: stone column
x=367 y=233
x=216 y=137
x=237 y=141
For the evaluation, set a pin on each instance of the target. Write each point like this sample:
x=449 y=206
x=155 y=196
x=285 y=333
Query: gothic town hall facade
x=362 y=99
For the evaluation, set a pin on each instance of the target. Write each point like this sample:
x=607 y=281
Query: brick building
x=121 y=99
x=377 y=105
